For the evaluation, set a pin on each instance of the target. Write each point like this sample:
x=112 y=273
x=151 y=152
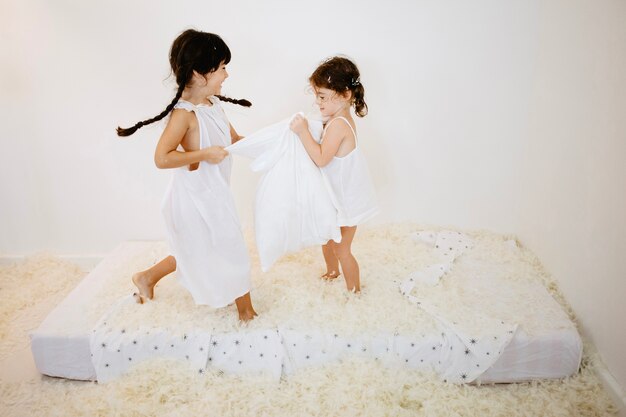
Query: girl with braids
x=204 y=234
x=337 y=86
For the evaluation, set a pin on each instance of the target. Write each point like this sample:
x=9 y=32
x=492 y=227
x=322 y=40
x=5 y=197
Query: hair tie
x=356 y=82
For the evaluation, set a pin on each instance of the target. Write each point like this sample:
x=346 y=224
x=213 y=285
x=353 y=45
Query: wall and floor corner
x=506 y=116
x=573 y=198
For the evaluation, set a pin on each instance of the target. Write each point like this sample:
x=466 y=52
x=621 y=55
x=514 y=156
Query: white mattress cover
x=61 y=344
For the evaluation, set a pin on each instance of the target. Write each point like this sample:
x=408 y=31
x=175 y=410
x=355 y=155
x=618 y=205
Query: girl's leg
x=146 y=280
x=244 y=307
x=349 y=266
x=332 y=263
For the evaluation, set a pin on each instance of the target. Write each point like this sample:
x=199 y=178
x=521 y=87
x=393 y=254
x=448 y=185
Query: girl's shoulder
x=189 y=112
x=182 y=115
x=185 y=105
x=340 y=124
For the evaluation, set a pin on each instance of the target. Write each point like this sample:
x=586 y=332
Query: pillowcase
x=293 y=208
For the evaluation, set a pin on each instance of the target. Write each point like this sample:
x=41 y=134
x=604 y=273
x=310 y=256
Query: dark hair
x=191 y=51
x=340 y=75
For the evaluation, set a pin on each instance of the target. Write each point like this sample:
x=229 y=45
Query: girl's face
x=214 y=80
x=330 y=102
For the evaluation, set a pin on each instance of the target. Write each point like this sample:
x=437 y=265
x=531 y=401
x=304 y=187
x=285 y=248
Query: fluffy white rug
x=355 y=387
x=24 y=287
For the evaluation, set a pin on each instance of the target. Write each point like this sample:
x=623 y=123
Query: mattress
x=98 y=332
x=60 y=345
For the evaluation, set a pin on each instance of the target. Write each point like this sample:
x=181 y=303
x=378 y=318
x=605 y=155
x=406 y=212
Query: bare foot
x=244 y=307
x=246 y=316
x=138 y=298
x=145 y=287
x=330 y=275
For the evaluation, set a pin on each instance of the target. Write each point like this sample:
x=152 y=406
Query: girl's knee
x=343 y=253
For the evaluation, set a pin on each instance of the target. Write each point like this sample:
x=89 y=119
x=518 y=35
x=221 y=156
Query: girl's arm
x=323 y=153
x=234 y=136
x=167 y=155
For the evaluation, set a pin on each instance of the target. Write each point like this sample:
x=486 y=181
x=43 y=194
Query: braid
x=241 y=102
x=192 y=51
x=129 y=131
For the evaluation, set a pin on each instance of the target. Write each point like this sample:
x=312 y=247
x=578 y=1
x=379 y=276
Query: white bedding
x=293 y=207
x=545 y=343
x=60 y=344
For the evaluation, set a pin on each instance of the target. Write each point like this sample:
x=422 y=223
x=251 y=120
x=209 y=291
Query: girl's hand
x=299 y=124
x=215 y=154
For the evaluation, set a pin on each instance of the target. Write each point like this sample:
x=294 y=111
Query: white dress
x=350 y=184
x=203 y=229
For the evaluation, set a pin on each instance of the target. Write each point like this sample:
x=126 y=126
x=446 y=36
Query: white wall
x=572 y=210
x=448 y=89
x=507 y=116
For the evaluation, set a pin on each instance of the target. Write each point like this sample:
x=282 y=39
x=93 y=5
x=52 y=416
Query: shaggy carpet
x=351 y=388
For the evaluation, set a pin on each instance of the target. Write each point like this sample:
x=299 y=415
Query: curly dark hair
x=341 y=75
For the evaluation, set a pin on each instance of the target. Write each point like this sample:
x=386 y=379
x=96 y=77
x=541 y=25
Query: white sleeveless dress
x=203 y=229
x=350 y=184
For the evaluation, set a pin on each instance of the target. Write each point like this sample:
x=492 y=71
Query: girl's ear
x=198 y=78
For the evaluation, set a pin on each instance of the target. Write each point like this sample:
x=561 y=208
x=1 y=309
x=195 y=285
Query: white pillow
x=293 y=205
